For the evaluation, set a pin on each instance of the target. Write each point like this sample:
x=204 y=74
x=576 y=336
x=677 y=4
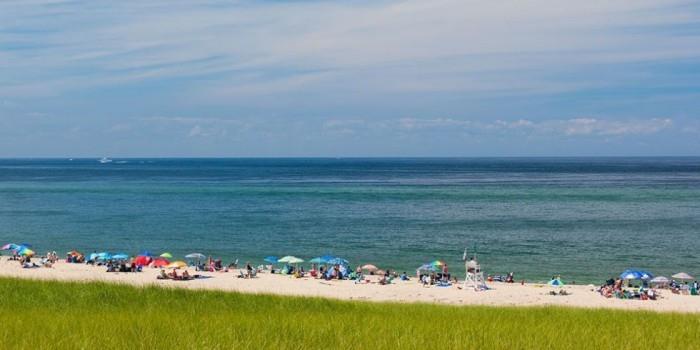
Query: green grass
x=59 y=315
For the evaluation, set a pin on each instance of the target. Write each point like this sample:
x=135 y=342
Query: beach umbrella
x=104 y=256
x=380 y=272
x=660 y=280
x=166 y=255
x=327 y=257
x=9 y=246
x=437 y=264
x=369 y=267
x=160 y=262
x=120 y=256
x=197 y=256
x=177 y=265
x=271 y=259
x=142 y=260
x=426 y=267
x=93 y=256
x=683 y=276
x=26 y=252
x=295 y=260
x=146 y=253
x=74 y=253
x=25 y=245
x=287 y=259
x=555 y=282
x=318 y=260
x=338 y=261
x=633 y=274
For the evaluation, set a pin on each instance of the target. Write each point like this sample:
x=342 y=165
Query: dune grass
x=62 y=315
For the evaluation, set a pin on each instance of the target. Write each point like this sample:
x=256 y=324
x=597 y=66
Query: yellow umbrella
x=177 y=265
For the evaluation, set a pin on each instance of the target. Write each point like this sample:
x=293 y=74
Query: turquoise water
x=584 y=218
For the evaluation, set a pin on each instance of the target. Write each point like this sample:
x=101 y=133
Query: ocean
x=586 y=219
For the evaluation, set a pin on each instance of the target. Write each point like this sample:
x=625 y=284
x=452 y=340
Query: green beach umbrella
x=317 y=261
x=290 y=259
x=166 y=255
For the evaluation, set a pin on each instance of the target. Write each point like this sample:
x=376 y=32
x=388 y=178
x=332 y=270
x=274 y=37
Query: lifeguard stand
x=475 y=277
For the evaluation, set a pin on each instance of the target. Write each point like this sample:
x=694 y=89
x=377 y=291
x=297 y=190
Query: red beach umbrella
x=160 y=262
x=142 y=260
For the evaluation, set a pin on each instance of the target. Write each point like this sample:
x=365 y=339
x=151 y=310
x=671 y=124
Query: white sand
x=501 y=294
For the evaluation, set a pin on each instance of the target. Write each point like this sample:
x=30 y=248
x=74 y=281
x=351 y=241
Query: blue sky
x=349 y=78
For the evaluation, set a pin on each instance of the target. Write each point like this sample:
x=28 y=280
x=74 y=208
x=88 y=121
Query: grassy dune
x=43 y=315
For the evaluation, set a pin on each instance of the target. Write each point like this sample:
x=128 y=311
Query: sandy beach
x=500 y=294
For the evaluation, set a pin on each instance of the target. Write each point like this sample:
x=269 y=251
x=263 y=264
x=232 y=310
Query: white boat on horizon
x=105 y=160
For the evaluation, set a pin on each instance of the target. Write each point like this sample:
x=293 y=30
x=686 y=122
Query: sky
x=349 y=78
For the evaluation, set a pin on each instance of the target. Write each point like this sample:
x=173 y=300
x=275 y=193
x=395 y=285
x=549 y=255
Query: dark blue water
x=584 y=218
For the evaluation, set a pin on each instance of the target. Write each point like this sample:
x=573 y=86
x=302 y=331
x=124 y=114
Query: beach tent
x=683 y=276
x=160 y=262
x=555 y=282
x=142 y=260
x=166 y=255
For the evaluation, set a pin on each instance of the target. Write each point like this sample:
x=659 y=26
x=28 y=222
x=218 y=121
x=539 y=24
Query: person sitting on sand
x=404 y=276
x=186 y=275
x=248 y=269
x=425 y=280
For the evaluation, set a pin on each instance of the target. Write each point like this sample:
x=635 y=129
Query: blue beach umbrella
x=338 y=261
x=327 y=257
x=93 y=256
x=635 y=274
x=146 y=253
x=426 y=267
x=120 y=256
x=104 y=256
x=271 y=259
x=25 y=245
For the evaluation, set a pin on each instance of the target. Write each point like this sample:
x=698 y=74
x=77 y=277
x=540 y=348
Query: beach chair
x=253 y=273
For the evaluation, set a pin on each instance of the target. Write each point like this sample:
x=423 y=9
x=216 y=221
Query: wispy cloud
x=573 y=127
x=49 y=47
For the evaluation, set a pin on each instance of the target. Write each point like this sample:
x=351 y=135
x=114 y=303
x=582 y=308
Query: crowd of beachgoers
x=631 y=284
